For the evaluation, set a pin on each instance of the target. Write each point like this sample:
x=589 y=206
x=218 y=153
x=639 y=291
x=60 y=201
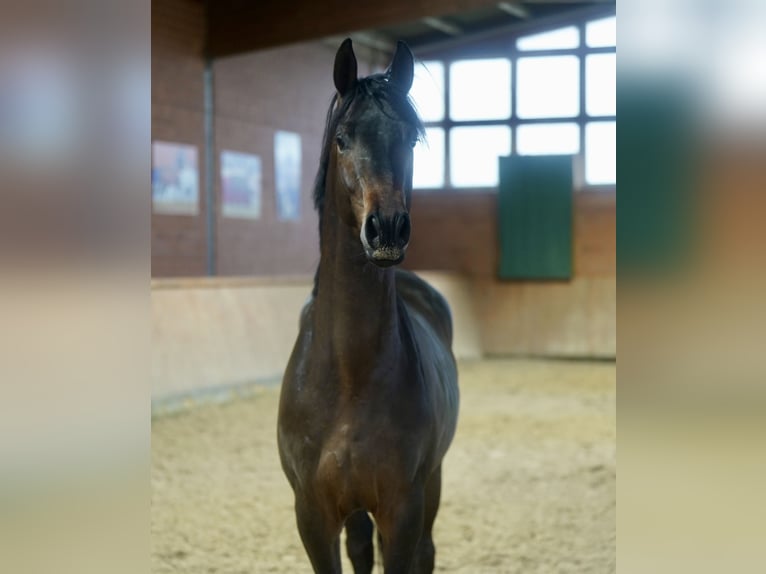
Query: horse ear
x=344 y=73
x=402 y=68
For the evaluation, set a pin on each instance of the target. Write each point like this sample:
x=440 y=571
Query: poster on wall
x=175 y=178
x=287 y=174
x=241 y=183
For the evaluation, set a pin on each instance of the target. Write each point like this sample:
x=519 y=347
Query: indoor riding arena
x=511 y=218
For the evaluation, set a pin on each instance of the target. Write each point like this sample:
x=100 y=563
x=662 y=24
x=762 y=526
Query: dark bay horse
x=369 y=399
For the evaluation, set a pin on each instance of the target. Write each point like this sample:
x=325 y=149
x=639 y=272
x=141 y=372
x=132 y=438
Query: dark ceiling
x=427 y=31
x=238 y=26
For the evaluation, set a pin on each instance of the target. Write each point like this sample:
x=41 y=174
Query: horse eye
x=414 y=142
x=341 y=143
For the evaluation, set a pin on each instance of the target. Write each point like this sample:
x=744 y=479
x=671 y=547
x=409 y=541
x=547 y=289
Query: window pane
x=560 y=39
x=474 y=152
x=542 y=139
x=549 y=87
x=429 y=160
x=601 y=153
x=480 y=89
x=601 y=84
x=428 y=91
x=601 y=33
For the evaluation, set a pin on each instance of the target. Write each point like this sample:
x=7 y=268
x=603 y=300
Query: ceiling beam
x=369 y=40
x=442 y=26
x=499 y=34
x=514 y=9
x=370 y=47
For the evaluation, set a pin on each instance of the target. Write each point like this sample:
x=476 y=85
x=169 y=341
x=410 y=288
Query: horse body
x=369 y=399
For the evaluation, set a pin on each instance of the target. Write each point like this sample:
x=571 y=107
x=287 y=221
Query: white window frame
x=513 y=54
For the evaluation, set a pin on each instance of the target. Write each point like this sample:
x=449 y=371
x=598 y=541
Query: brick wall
x=255 y=95
x=178 y=37
x=457 y=231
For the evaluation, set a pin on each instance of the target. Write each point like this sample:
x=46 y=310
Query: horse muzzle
x=385 y=238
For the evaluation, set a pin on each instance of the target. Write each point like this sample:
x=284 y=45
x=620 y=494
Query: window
x=560 y=39
x=428 y=159
x=427 y=91
x=601 y=153
x=548 y=139
x=550 y=92
x=480 y=89
x=549 y=87
x=473 y=154
x=601 y=33
x=600 y=82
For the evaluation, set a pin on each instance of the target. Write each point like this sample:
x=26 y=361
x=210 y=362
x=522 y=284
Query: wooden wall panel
x=211 y=333
x=559 y=319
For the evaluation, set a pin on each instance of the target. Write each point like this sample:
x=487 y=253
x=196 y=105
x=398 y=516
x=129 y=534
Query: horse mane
x=392 y=102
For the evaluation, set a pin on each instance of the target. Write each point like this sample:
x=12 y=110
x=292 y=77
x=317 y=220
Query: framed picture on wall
x=175 y=178
x=287 y=175
x=241 y=184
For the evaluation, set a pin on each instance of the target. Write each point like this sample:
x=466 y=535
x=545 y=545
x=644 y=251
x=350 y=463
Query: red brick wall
x=457 y=231
x=256 y=95
x=178 y=36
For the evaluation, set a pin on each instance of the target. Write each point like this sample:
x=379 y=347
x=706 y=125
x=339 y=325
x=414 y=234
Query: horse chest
x=355 y=466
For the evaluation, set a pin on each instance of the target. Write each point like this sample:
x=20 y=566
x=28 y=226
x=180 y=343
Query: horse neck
x=355 y=299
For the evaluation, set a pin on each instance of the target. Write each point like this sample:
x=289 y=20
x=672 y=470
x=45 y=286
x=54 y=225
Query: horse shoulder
x=426 y=301
x=304 y=383
x=431 y=326
x=295 y=425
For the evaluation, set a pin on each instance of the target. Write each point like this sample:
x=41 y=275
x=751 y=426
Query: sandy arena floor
x=529 y=483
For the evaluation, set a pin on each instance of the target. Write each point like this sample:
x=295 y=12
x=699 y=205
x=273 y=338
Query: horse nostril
x=403 y=229
x=372 y=231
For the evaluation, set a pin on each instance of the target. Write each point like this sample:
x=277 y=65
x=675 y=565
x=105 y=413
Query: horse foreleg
x=401 y=525
x=320 y=536
x=359 y=542
x=424 y=560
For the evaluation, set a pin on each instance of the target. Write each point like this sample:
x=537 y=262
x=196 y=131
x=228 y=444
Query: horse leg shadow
x=359 y=543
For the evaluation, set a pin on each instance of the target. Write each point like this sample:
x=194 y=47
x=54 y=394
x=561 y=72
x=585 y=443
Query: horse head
x=373 y=130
